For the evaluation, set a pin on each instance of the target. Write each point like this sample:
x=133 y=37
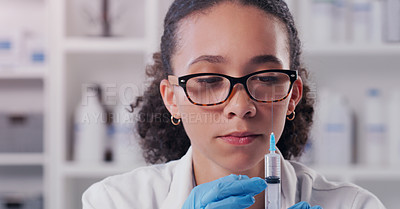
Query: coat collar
x=288 y=183
x=182 y=183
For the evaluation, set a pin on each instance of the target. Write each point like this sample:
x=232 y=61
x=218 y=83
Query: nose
x=239 y=104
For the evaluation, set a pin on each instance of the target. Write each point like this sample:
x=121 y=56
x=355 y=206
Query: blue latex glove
x=304 y=205
x=227 y=192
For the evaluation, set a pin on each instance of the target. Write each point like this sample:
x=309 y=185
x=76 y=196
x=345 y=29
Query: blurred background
x=70 y=68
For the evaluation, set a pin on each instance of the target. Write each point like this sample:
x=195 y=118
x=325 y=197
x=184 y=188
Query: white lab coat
x=166 y=186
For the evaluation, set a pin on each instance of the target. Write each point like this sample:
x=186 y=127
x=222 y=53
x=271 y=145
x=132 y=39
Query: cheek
x=180 y=97
x=197 y=115
x=197 y=120
x=200 y=126
x=280 y=108
x=279 y=115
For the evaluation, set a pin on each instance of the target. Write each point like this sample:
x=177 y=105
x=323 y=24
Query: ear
x=297 y=93
x=169 y=98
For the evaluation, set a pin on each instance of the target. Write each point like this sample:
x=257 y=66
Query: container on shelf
x=34 y=50
x=90 y=128
x=22 y=50
x=322 y=21
x=9 y=49
x=375 y=129
x=333 y=130
x=391 y=20
x=126 y=149
x=339 y=23
x=394 y=128
x=21 y=132
x=361 y=13
x=377 y=21
x=12 y=200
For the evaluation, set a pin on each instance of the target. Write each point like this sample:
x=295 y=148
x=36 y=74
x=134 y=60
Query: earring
x=173 y=120
x=291 y=116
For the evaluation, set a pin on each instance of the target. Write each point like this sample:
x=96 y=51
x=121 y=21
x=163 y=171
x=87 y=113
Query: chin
x=240 y=164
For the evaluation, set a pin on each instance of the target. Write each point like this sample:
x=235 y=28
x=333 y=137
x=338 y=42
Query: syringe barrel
x=273 y=179
x=273 y=196
x=272 y=165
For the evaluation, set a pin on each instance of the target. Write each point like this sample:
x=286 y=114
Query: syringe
x=273 y=176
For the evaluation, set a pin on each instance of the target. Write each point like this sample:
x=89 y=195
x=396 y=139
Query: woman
x=227 y=76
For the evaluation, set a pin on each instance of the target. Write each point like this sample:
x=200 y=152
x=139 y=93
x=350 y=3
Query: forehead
x=233 y=31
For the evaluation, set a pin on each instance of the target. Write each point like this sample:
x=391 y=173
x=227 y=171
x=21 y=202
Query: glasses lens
x=269 y=86
x=208 y=89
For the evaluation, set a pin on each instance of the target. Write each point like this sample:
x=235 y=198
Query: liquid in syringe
x=273 y=177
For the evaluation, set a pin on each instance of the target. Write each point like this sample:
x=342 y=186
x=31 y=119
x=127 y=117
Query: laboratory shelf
x=31 y=73
x=360 y=172
x=102 y=170
x=21 y=159
x=104 y=45
x=352 y=49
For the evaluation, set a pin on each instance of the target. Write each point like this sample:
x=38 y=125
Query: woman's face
x=234 y=40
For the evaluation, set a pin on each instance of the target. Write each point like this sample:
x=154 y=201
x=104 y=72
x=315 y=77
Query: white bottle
x=361 y=21
x=126 y=149
x=377 y=21
x=90 y=127
x=340 y=16
x=391 y=20
x=335 y=123
x=375 y=129
x=305 y=20
x=322 y=20
x=394 y=128
x=10 y=48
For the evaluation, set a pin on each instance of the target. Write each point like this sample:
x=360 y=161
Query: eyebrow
x=216 y=59
x=209 y=58
x=262 y=59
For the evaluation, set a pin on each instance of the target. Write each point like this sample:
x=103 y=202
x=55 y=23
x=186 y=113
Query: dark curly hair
x=162 y=141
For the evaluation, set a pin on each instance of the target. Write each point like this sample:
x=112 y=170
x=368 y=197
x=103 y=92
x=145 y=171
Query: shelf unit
x=73 y=170
x=359 y=172
x=76 y=53
x=351 y=68
x=27 y=159
x=36 y=74
x=23 y=90
x=25 y=93
x=381 y=49
x=81 y=59
x=105 y=45
x=76 y=59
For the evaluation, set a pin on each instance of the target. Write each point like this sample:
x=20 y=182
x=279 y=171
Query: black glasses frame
x=181 y=81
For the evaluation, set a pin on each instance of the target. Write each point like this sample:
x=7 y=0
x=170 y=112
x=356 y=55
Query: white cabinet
x=23 y=110
x=351 y=67
x=77 y=56
x=352 y=70
x=81 y=57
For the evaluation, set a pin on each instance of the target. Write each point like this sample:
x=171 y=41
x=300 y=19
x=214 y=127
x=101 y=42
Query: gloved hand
x=304 y=205
x=231 y=192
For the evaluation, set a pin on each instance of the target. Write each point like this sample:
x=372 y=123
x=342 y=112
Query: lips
x=239 y=138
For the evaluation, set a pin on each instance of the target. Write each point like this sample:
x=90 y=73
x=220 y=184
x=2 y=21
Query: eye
x=265 y=79
x=208 y=80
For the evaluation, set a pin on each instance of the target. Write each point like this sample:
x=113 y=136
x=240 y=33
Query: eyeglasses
x=208 y=89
